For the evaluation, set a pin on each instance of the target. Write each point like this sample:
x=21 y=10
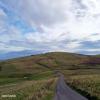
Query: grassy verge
x=13 y=78
x=30 y=90
x=87 y=85
x=7 y=81
x=33 y=87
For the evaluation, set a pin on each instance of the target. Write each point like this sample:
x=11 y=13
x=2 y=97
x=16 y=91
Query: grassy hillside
x=49 y=61
x=79 y=71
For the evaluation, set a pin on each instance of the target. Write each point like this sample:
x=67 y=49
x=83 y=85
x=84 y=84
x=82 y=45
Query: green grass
x=86 y=82
x=42 y=75
x=49 y=61
x=13 y=78
x=4 y=81
x=33 y=77
x=37 y=87
x=88 y=85
x=28 y=90
x=49 y=96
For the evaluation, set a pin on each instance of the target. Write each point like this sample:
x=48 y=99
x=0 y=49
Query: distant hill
x=49 y=61
x=11 y=55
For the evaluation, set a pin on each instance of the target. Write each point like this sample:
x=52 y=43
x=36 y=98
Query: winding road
x=64 y=92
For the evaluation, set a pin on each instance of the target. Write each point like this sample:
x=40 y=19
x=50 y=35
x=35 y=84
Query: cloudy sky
x=50 y=25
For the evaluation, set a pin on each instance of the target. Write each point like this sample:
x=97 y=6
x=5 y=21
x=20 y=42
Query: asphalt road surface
x=64 y=92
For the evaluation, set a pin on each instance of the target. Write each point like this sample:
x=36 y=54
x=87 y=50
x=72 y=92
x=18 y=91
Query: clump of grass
x=4 y=81
x=87 y=85
x=31 y=90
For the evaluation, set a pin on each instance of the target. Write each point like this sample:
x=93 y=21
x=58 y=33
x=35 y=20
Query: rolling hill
x=35 y=75
x=49 y=61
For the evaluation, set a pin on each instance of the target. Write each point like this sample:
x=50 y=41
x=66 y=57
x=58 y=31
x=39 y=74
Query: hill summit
x=49 y=61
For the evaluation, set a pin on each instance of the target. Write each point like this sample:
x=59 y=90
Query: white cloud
x=59 y=17
x=94 y=50
x=2 y=23
x=2 y=14
x=57 y=22
x=94 y=37
x=11 y=33
x=9 y=48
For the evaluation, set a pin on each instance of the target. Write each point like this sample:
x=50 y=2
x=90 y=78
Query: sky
x=50 y=25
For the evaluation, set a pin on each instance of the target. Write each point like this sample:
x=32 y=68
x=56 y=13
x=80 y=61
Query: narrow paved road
x=64 y=92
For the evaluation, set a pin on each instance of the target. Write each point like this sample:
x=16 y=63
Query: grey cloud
x=53 y=20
